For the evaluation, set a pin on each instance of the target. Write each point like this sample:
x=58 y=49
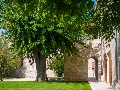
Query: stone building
x=108 y=61
x=105 y=63
x=111 y=61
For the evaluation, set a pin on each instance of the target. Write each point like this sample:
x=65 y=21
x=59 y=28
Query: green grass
x=24 y=85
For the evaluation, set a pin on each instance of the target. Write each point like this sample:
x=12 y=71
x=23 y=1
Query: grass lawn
x=31 y=85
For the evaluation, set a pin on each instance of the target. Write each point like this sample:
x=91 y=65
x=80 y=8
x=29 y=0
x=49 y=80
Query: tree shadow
x=92 y=79
x=61 y=80
x=55 y=79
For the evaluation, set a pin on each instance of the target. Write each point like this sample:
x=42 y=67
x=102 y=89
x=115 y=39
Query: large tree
x=38 y=28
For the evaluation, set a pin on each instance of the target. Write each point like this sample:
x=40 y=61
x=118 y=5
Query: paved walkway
x=98 y=85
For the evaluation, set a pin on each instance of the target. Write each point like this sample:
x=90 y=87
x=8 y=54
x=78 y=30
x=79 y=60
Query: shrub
x=7 y=62
x=57 y=65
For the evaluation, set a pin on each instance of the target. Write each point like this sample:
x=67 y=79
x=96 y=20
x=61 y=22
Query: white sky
x=1 y=30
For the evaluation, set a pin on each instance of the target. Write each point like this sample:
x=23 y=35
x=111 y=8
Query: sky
x=93 y=0
x=1 y=30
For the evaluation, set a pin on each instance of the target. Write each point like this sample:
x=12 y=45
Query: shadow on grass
x=55 y=79
x=61 y=80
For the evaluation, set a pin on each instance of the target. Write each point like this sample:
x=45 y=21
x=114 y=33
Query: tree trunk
x=1 y=77
x=40 y=66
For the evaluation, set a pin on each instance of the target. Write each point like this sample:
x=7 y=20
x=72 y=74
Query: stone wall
x=76 y=68
x=108 y=58
x=28 y=70
x=110 y=50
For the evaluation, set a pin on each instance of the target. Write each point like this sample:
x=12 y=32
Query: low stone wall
x=28 y=70
x=25 y=71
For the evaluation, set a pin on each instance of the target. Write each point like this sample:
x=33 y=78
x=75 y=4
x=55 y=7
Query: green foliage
x=7 y=62
x=106 y=18
x=45 y=25
x=69 y=18
x=57 y=65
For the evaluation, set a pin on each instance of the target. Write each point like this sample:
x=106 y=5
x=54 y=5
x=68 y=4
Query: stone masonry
x=28 y=70
x=76 y=68
x=25 y=70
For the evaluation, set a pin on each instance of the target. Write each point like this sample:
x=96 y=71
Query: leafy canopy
x=47 y=25
x=107 y=18
x=56 y=24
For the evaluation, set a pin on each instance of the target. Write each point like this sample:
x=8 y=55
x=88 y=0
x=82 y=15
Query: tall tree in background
x=38 y=28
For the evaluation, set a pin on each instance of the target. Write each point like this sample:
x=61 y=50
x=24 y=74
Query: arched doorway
x=92 y=69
